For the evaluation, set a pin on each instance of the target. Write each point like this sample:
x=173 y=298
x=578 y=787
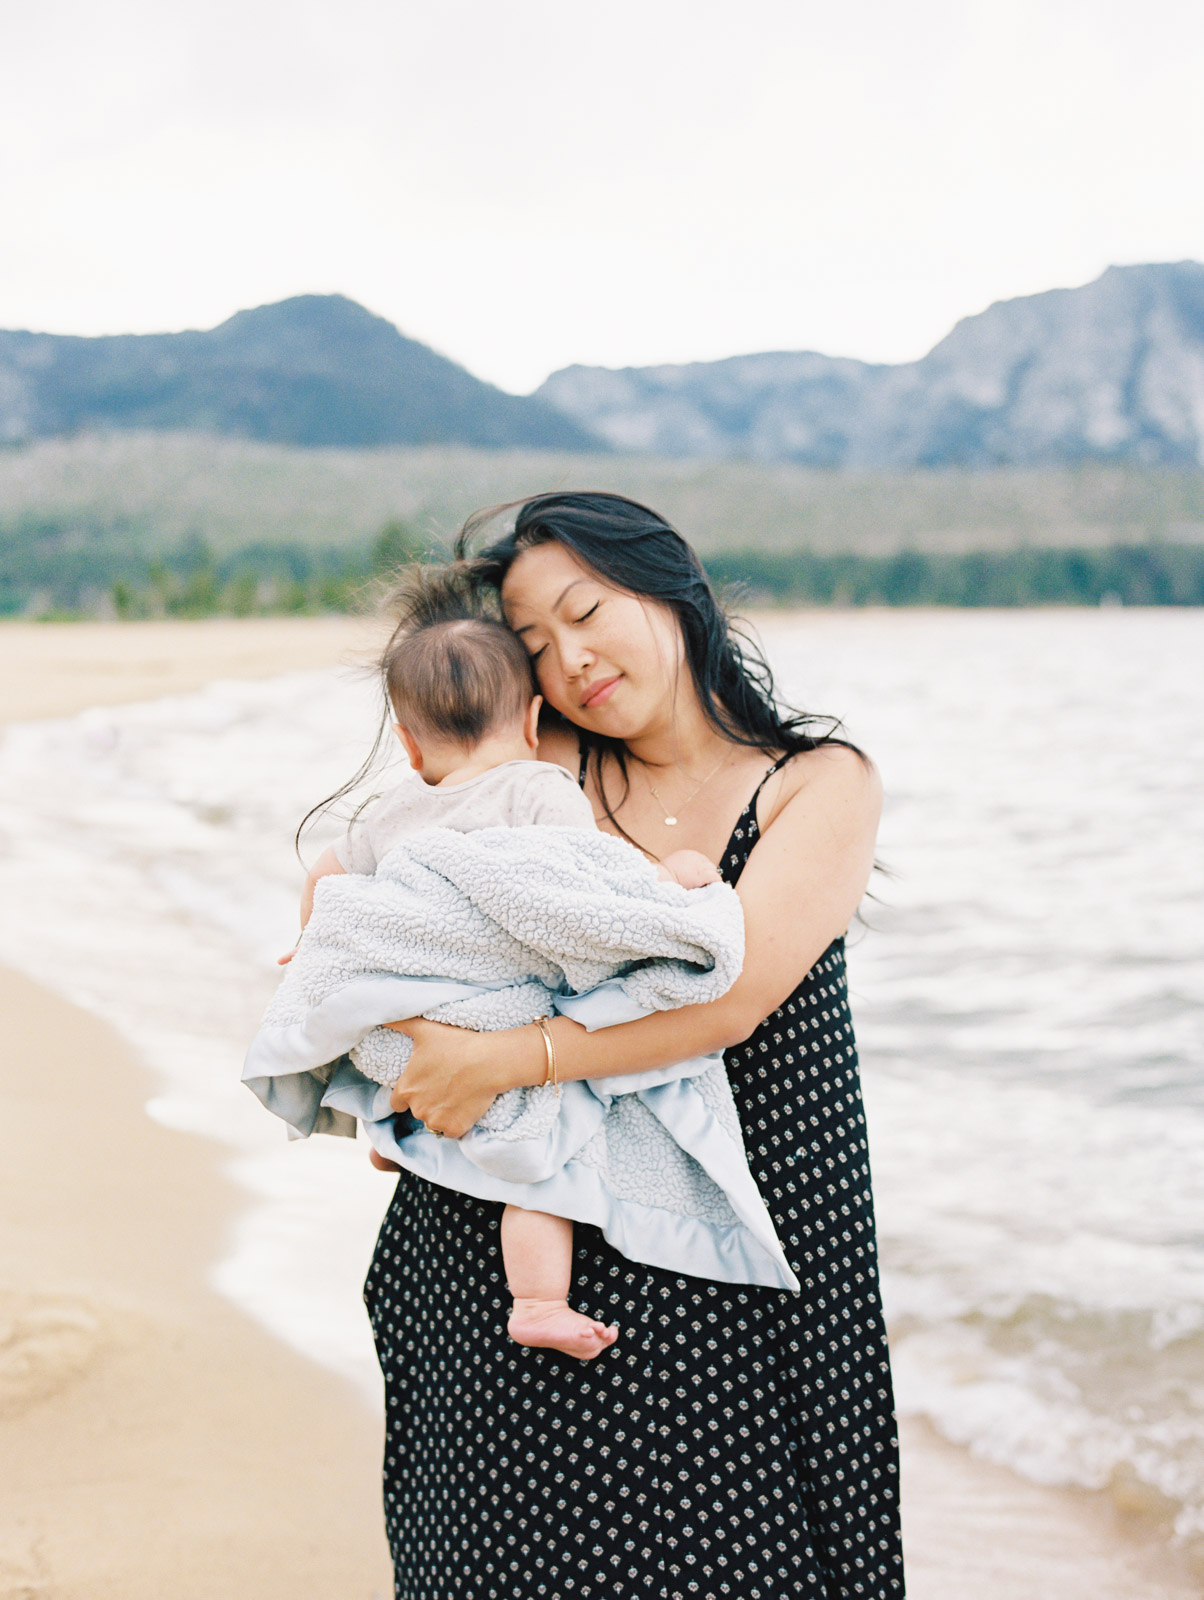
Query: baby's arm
x=690 y=868
x=325 y=866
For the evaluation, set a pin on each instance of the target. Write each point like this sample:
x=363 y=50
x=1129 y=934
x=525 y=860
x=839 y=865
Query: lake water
x=1028 y=989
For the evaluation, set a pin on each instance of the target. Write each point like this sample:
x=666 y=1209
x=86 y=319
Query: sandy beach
x=53 y=669
x=153 y=1440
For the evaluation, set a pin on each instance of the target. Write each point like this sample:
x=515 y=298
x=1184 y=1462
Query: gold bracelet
x=550 y=1075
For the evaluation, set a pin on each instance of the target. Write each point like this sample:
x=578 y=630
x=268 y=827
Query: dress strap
x=751 y=808
x=778 y=764
x=746 y=832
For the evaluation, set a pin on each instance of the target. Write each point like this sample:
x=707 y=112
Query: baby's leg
x=538 y=1252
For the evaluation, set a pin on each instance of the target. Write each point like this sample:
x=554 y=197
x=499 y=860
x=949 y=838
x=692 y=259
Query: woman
x=735 y=1441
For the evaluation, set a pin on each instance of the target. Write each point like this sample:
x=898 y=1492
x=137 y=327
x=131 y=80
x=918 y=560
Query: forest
x=57 y=569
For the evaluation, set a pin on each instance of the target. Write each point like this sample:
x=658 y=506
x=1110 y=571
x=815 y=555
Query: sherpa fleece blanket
x=491 y=930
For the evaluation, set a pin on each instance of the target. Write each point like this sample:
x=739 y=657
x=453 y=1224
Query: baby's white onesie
x=518 y=794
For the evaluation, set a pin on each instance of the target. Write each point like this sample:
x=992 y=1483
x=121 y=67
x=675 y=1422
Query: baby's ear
x=412 y=748
x=531 y=722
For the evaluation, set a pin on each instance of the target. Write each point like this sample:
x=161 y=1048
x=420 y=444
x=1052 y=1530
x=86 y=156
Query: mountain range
x=1112 y=371
x=314 y=370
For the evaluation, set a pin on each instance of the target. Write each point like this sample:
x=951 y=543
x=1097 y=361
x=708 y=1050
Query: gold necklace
x=671 y=822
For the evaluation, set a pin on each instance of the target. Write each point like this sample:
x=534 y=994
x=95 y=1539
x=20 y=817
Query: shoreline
x=133 y=1396
x=976 y=1531
x=153 y=1440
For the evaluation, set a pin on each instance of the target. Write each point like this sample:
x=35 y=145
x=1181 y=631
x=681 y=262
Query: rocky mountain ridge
x=1112 y=371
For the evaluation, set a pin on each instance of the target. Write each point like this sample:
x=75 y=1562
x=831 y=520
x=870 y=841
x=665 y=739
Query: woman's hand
x=452 y=1078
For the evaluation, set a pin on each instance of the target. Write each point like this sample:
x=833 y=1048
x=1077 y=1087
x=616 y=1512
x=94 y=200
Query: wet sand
x=153 y=1441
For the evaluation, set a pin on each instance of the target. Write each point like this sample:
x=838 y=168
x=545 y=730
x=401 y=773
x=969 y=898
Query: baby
x=462 y=694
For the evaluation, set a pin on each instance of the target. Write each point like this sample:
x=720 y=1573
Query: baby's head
x=458 y=680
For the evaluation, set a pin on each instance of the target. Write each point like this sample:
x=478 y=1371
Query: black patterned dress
x=735 y=1442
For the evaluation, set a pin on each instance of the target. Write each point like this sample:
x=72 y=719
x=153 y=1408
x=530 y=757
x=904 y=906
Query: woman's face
x=608 y=660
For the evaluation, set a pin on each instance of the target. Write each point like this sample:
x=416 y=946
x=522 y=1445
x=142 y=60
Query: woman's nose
x=577 y=658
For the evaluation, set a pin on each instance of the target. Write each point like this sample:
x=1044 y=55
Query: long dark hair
x=636 y=550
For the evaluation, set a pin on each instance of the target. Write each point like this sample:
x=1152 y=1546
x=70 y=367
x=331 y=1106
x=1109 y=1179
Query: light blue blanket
x=490 y=930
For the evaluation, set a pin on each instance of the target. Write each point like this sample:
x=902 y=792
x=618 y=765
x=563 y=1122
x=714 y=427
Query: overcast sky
x=527 y=183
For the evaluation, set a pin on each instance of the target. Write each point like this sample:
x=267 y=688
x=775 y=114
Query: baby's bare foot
x=553 y=1325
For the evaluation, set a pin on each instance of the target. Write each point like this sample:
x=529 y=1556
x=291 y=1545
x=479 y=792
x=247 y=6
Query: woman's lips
x=600 y=693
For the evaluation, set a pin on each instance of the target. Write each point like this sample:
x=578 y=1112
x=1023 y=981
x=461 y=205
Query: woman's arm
x=804 y=880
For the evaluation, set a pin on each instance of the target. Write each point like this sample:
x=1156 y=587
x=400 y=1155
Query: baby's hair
x=450 y=669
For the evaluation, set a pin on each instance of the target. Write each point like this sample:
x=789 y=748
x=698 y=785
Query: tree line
x=1134 y=575
x=59 y=569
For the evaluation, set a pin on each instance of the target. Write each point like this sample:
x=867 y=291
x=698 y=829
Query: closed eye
x=584 y=617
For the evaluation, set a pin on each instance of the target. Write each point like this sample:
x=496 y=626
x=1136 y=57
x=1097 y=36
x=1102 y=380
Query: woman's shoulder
x=830 y=774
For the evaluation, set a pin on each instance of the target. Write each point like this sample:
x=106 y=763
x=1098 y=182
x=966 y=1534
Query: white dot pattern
x=736 y=1442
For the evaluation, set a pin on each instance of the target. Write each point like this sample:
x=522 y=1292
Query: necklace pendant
x=670 y=822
